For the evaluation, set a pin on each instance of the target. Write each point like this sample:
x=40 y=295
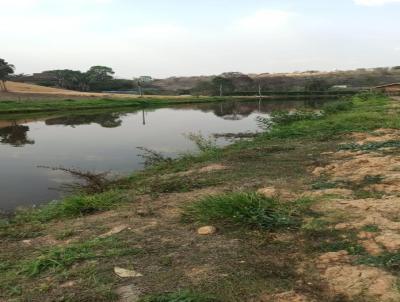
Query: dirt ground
x=334 y=257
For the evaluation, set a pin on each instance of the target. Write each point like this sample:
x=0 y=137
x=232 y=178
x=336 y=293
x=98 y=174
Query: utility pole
x=140 y=88
x=259 y=90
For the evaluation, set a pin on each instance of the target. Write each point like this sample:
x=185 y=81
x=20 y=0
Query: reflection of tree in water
x=240 y=110
x=106 y=120
x=15 y=135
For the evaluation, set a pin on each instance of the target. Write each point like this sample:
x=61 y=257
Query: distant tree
x=222 y=85
x=6 y=70
x=317 y=85
x=100 y=73
x=203 y=88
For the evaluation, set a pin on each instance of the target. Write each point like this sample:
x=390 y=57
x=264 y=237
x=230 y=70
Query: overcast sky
x=164 y=38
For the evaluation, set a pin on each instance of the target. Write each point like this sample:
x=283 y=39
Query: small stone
x=207 y=230
x=269 y=192
x=128 y=293
x=125 y=273
x=114 y=230
x=68 y=284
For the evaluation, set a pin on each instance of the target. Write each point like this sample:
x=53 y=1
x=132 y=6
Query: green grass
x=321 y=238
x=60 y=257
x=248 y=210
x=371 y=228
x=72 y=206
x=12 y=107
x=389 y=261
x=373 y=146
x=363 y=115
x=181 y=296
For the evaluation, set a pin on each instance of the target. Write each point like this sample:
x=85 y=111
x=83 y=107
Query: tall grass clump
x=181 y=296
x=251 y=210
x=72 y=206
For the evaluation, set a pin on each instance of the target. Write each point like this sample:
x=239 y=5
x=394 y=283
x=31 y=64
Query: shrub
x=246 y=209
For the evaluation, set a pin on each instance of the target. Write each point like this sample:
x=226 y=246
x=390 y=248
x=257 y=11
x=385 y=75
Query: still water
x=106 y=140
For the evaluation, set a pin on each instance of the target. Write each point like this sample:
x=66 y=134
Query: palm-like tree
x=5 y=70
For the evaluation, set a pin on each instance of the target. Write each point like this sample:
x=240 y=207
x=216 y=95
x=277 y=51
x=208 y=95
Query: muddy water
x=106 y=140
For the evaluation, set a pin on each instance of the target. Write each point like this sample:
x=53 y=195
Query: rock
x=125 y=273
x=269 y=192
x=114 y=230
x=128 y=293
x=207 y=230
x=213 y=167
x=68 y=284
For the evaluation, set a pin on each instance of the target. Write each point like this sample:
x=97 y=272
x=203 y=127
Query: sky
x=164 y=38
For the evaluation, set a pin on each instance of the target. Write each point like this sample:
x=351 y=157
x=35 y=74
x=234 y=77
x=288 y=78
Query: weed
x=390 y=261
x=246 y=209
x=372 y=146
x=324 y=239
x=204 y=144
x=152 y=158
x=371 y=228
x=181 y=184
x=322 y=185
x=181 y=296
x=65 y=234
x=59 y=258
x=335 y=107
x=72 y=206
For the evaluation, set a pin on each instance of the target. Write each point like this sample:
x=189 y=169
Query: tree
x=5 y=70
x=316 y=85
x=222 y=85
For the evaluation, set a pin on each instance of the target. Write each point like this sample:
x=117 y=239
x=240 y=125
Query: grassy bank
x=83 y=104
x=266 y=240
x=64 y=105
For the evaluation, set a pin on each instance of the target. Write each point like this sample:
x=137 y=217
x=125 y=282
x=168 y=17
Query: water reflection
x=106 y=120
x=15 y=135
x=107 y=141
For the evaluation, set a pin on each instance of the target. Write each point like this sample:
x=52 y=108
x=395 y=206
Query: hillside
x=16 y=87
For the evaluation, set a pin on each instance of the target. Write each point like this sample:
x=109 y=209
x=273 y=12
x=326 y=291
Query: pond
x=108 y=140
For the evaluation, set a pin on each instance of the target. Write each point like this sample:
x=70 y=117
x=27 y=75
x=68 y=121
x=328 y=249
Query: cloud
x=265 y=20
x=375 y=2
